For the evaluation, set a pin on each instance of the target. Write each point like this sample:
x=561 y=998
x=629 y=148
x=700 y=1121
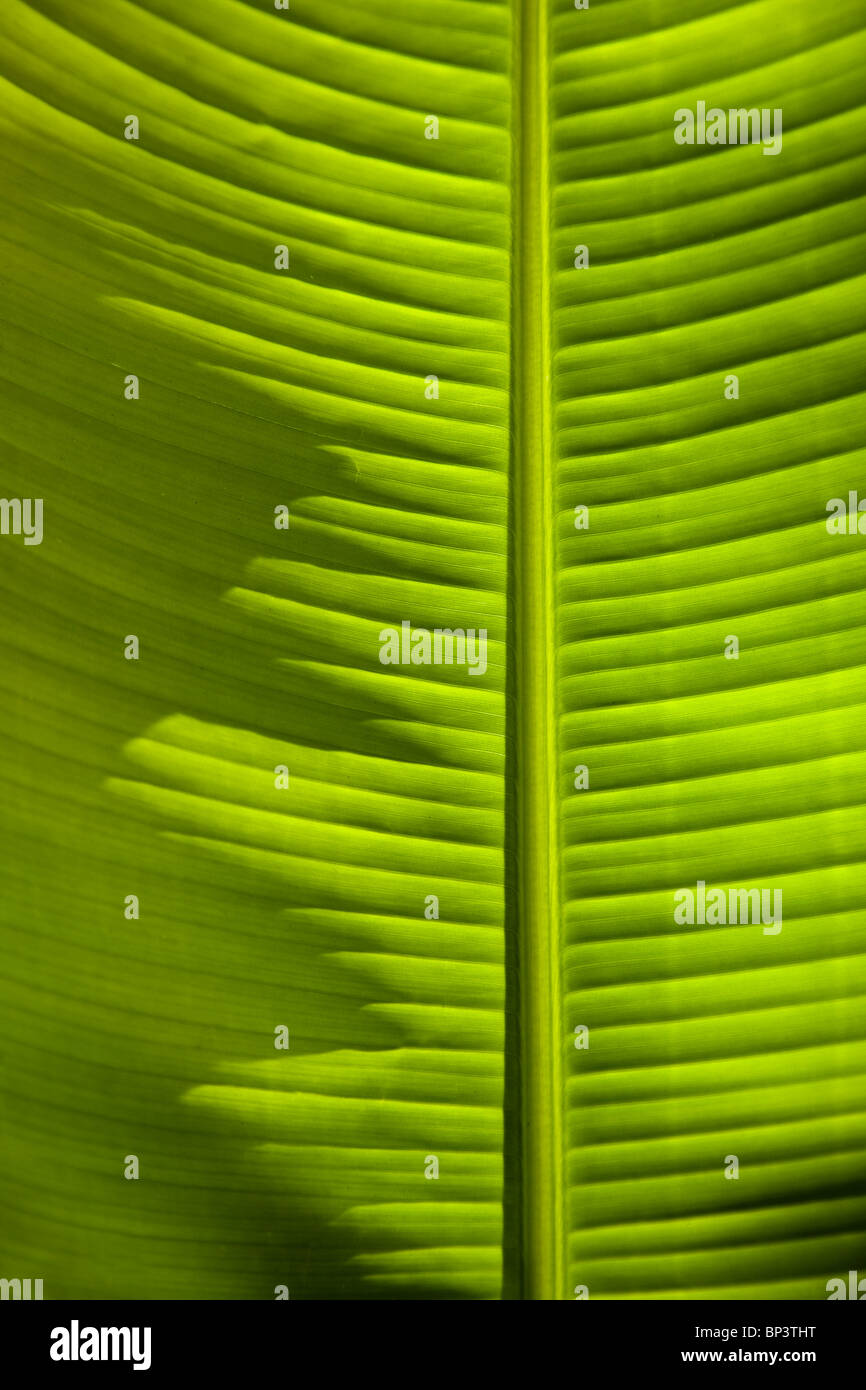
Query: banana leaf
x=331 y=970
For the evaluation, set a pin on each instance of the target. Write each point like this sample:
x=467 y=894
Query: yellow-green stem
x=542 y=1235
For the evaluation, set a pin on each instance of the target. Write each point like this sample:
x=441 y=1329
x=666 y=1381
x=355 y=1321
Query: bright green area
x=707 y=519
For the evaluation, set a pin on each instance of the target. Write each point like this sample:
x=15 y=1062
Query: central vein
x=535 y=1018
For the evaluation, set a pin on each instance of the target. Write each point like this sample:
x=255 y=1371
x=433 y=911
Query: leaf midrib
x=534 y=1126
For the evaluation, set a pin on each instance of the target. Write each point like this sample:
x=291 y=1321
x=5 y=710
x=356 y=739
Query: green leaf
x=430 y=387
